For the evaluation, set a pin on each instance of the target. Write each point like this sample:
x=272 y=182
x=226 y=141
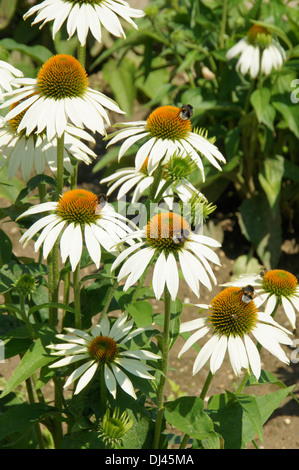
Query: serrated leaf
x=187 y=415
x=265 y=113
x=121 y=79
x=34 y=358
x=20 y=418
x=262 y=227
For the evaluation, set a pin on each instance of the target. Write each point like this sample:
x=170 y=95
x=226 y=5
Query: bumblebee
x=179 y=237
x=263 y=271
x=186 y=112
x=102 y=199
x=248 y=294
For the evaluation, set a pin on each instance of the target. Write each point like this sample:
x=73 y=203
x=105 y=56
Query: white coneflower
x=167 y=131
x=276 y=285
x=77 y=217
x=8 y=74
x=105 y=346
x=231 y=322
x=169 y=238
x=175 y=184
x=259 y=52
x=34 y=150
x=59 y=94
x=82 y=16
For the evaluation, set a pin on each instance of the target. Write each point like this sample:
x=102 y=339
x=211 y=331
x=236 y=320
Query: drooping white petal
x=92 y=245
x=78 y=372
x=237 y=354
x=253 y=356
x=123 y=381
x=110 y=381
x=172 y=276
x=193 y=338
x=218 y=354
x=289 y=310
x=76 y=247
x=204 y=354
x=159 y=276
x=86 y=378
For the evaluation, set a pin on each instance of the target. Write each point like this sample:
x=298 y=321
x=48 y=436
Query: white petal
x=92 y=245
x=237 y=354
x=86 y=378
x=204 y=354
x=218 y=354
x=124 y=381
x=289 y=310
x=51 y=238
x=76 y=247
x=110 y=381
x=253 y=356
x=77 y=373
x=159 y=276
x=193 y=338
x=172 y=278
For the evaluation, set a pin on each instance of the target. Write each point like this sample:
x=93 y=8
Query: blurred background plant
x=178 y=56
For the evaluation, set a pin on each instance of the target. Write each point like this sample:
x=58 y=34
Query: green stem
x=42 y=192
x=77 y=297
x=112 y=289
x=223 y=24
x=74 y=176
x=82 y=55
x=24 y=316
x=165 y=353
x=60 y=152
x=66 y=291
x=37 y=429
x=206 y=385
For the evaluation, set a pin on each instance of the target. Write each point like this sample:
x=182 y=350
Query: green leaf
x=265 y=113
x=270 y=178
x=262 y=227
x=238 y=417
x=245 y=264
x=121 y=78
x=20 y=418
x=7 y=11
x=290 y=115
x=142 y=312
x=187 y=415
x=35 y=358
x=5 y=248
x=38 y=53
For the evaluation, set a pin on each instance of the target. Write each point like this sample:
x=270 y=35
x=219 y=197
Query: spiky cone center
x=179 y=167
x=165 y=123
x=88 y=2
x=259 y=35
x=79 y=206
x=103 y=349
x=116 y=426
x=167 y=232
x=62 y=76
x=229 y=315
x=26 y=284
x=280 y=283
